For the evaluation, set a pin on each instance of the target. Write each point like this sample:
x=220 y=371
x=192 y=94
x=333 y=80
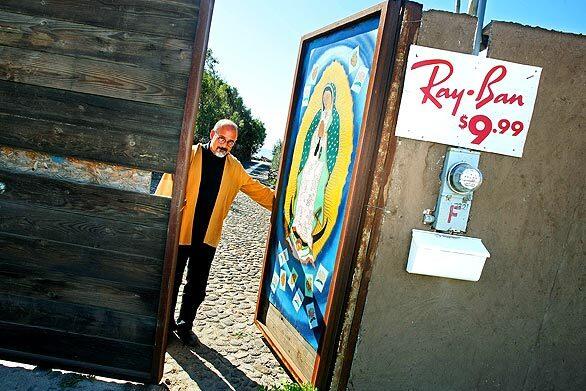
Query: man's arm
x=265 y=196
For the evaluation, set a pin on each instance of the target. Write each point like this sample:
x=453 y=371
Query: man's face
x=223 y=140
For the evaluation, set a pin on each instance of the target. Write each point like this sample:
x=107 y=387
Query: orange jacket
x=234 y=179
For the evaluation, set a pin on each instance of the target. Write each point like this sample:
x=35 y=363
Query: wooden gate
x=85 y=266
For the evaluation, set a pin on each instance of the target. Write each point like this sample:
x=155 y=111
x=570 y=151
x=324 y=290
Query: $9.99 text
x=481 y=126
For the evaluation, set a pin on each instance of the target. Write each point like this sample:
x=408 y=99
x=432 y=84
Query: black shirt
x=212 y=169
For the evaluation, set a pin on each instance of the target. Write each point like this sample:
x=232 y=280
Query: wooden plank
x=74 y=169
x=101 y=113
x=172 y=18
x=91 y=200
x=131 y=150
x=46 y=255
x=79 y=40
x=81 y=348
x=294 y=347
x=92 y=76
x=100 y=233
x=51 y=285
x=76 y=318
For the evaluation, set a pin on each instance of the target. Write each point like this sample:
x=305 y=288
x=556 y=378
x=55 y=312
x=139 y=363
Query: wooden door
x=343 y=70
x=94 y=96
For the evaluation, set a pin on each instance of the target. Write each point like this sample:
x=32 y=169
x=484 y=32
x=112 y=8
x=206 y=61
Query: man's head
x=223 y=137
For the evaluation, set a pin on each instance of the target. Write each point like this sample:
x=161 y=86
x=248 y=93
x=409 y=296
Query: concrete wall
x=521 y=327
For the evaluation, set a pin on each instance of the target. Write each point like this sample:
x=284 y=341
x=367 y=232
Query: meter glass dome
x=464 y=178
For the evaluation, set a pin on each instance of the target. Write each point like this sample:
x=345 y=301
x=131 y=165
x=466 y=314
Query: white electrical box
x=444 y=255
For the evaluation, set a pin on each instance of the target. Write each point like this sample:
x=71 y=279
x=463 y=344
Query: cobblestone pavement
x=232 y=355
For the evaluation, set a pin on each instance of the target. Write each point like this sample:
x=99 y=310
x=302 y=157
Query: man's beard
x=221 y=152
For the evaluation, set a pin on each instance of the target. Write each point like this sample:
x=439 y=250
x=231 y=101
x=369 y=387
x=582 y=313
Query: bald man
x=214 y=179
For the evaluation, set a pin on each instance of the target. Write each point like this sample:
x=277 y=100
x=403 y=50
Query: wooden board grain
x=47 y=255
x=138 y=150
x=83 y=230
x=172 y=18
x=92 y=76
x=54 y=285
x=91 y=200
x=76 y=318
x=80 y=40
x=292 y=345
x=77 y=347
x=99 y=112
x=74 y=169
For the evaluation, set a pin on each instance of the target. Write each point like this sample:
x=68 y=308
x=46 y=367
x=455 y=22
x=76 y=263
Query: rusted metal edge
x=379 y=189
x=183 y=158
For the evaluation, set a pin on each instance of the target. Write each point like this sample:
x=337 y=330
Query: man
x=214 y=179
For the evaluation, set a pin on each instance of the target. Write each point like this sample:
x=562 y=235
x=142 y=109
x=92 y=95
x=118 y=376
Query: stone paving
x=232 y=355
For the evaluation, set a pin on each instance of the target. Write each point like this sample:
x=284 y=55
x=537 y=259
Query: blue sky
x=256 y=42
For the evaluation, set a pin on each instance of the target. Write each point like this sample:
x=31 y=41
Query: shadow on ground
x=208 y=368
x=26 y=377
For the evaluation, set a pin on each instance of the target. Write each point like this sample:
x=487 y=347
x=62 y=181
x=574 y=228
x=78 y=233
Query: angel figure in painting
x=320 y=150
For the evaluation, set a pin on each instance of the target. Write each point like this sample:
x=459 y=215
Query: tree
x=220 y=100
x=277 y=149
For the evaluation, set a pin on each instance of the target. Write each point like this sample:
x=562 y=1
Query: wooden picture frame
x=311 y=361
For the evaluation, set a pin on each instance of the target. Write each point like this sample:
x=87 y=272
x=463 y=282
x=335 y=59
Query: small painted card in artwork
x=293 y=279
x=309 y=285
x=311 y=316
x=283 y=257
x=297 y=299
x=313 y=75
x=353 y=60
x=360 y=79
x=274 y=282
x=306 y=94
x=283 y=280
x=320 y=278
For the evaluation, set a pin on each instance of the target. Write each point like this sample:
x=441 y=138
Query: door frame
x=165 y=312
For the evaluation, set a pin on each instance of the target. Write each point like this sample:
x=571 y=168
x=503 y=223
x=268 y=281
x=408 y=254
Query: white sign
x=467 y=101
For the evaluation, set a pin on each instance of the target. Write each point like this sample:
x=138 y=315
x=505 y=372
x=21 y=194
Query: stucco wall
x=521 y=326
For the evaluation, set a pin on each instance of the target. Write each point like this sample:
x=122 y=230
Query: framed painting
x=332 y=131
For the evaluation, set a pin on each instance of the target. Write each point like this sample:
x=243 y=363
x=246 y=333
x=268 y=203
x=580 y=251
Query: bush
x=289 y=386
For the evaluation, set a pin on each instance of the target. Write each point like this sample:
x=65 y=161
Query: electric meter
x=460 y=177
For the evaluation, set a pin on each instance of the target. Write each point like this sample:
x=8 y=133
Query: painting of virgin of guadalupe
x=318 y=172
x=320 y=163
x=306 y=216
x=309 y=241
